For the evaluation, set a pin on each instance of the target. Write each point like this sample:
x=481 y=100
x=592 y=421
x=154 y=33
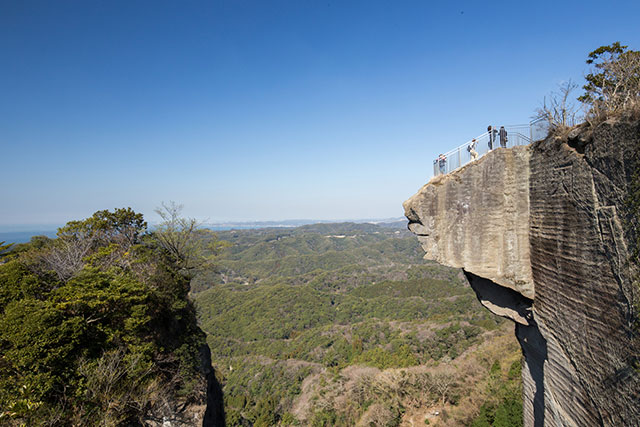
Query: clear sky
x=259 y=110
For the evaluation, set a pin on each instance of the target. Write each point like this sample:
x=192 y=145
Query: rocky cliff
x=542 y=233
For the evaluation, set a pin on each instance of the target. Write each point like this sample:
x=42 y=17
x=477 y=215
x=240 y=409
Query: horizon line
x=29 y=227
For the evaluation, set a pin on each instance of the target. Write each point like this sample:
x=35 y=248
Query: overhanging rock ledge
x=542 y=233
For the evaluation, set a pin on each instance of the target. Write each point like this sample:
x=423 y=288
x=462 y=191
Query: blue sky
x=267 y=110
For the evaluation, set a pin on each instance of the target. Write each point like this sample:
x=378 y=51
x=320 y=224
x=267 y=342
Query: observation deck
x=523 y=134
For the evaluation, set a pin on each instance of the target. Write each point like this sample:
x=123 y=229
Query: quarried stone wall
x=542 y=233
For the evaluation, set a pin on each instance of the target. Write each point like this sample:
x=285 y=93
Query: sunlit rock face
x=477 y=218
x=542 y=234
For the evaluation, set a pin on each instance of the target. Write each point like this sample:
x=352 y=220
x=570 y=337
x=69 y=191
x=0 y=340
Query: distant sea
x=24 y=235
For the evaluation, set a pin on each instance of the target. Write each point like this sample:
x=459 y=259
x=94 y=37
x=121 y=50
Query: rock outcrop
x=542 y=234
x=206 y=411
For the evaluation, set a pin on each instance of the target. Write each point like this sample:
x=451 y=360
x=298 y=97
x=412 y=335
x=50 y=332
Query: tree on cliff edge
x=188 y=245
x=96 y=328
x=613 y=85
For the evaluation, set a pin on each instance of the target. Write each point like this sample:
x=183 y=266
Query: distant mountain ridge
x=229 y=225
x=22 y=233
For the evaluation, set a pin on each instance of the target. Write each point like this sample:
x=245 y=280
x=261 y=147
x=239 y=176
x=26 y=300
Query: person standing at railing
x=492 y=136
x=472 y=149
x=442 y=163
x=503 y=137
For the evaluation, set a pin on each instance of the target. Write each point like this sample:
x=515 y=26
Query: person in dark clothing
x=492 y=136
x=503 y=137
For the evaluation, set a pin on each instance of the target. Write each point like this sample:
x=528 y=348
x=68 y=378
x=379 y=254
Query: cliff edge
x=542 y=234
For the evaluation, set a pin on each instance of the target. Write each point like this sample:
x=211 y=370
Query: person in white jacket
x=472 y=149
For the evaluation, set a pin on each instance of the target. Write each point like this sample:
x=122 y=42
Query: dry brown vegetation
x=612 y=91
x=454 y=390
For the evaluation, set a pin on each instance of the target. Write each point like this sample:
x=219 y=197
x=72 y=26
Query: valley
x=345 y=324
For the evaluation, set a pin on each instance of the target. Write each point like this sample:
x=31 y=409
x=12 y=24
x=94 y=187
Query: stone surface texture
x=542 y=235
x=478 y=218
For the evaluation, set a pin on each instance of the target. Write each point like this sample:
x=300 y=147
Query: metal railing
x=516 y=135
x=538 y=129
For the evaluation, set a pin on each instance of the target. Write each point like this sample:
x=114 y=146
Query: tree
x=119 y=230
x=444 y=380
x=100 y=344
x=558 y=109
x=188 y=245
x=614 y=82
x=118 y=386
x=65 y=256
x=122 y=226
x=4 y=248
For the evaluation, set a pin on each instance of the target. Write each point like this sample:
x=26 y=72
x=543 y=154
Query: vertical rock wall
x=540 y=232
x=582 y=271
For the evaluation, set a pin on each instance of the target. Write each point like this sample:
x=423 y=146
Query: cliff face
x=207 y=411
x=477 y=218
x=540 y=233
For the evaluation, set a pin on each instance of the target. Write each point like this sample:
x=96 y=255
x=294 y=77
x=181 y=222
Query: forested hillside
x=339 y=324
x=96 y=327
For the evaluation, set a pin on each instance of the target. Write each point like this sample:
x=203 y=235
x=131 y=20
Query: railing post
x=459 y=158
